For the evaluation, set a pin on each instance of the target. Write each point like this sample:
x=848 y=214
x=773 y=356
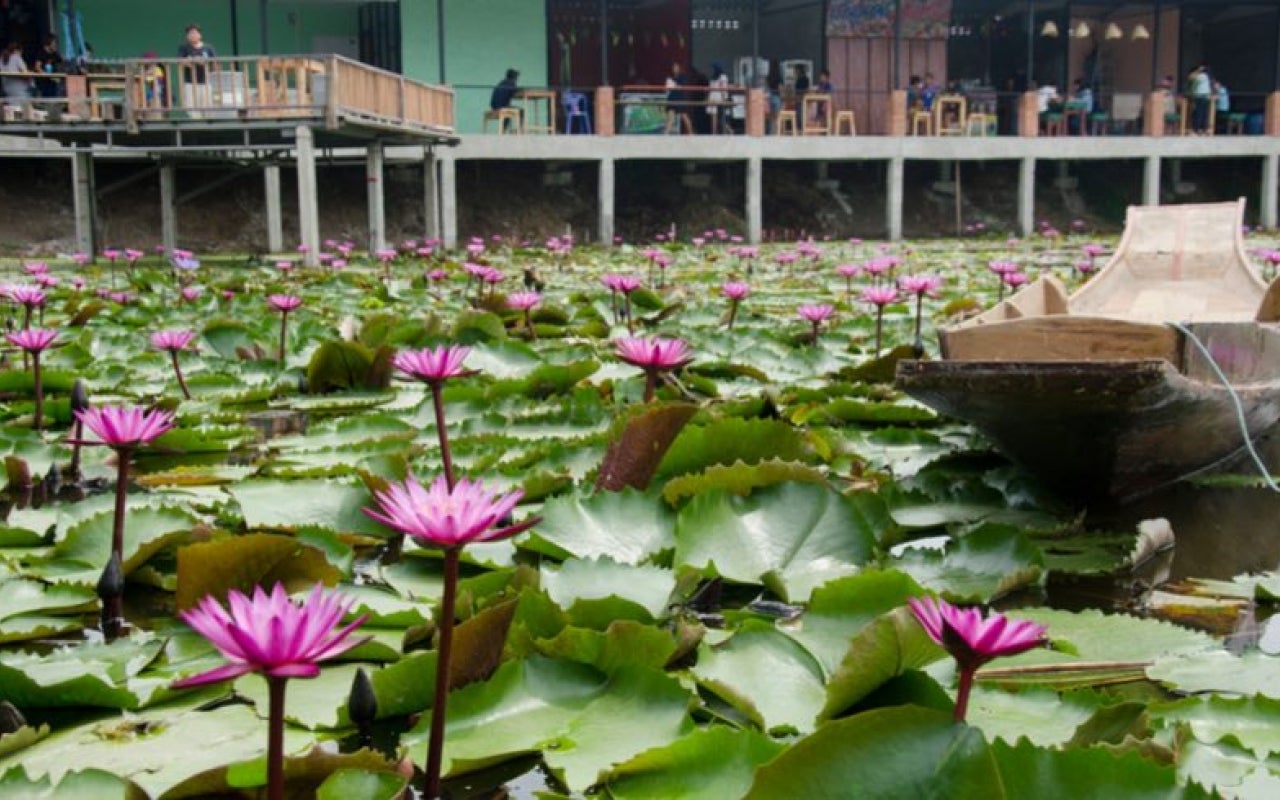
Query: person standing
x=195 y=81
x=48 y=61
x=16 y=86
x=718 y=100
x=1222 y=99
x=1200 y=87
x=677 y=100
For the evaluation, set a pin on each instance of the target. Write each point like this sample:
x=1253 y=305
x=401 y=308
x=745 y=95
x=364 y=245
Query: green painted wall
x=129 y=28
x=482 y=39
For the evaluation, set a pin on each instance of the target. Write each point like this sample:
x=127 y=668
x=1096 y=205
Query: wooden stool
x=845 y=123
x=981 y=120
x=1235 y=123
x=503 y=116
x=921 y=122
x=786 y=118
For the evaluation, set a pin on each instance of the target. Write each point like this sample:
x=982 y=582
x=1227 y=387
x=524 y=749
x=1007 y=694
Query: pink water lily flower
x=879 y=295
x=735 y=290
x=972 y=639
x=433 y=364
x=521 y=301
x=35 y=267
x=271 y=634
x=654 y=356
x=32 y=340
x=815 y=312
x=125 y=427
x=172 y=340
x=437 y=516
x=284 y=303
x=920 y=285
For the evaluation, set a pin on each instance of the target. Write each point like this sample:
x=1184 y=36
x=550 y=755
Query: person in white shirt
x=16 y=87
x=1200 y=87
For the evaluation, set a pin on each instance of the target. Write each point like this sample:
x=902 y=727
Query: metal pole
x=897 y=44
x=235 y=27
x=604 y=42
x=265 y=27
x=1276 y=85
x=1155 y=49
x=1031 y=43
x=756 y=77
x=440 y=36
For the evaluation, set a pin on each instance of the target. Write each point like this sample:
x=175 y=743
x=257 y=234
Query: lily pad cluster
x=713 y=605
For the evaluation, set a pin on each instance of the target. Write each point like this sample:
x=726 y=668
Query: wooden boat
x=1105 y=394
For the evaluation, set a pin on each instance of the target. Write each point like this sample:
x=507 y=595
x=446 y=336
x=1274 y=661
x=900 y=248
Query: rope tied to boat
x=1235 y=401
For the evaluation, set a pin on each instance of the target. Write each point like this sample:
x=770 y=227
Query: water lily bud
x=111 y=583
x=362 y=705
x=53 y=478
x=11 y=719
x=79 y=396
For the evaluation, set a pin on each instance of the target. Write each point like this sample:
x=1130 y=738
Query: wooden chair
x=1099 y=123
x=981 y=122
x=845 y=124
x=1235 y=123
x=920 y=122
x=949 y=112
x=786 y=119
x=503 y=116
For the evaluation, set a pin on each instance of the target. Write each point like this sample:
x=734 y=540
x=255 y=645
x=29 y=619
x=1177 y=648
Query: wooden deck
x=245 y=101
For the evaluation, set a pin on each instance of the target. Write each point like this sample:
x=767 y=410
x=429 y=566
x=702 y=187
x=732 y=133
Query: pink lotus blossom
x=47 y=281
x=125 y=428
x=735 y=290
x=658 y=353
x=284 y=303
x=849 y=270
x=438 y=516
x=32 y=340
x=272 y=634
x=35 y=267
x=815 y=312
x=972 y=639
x=1015 y=279
x=437 y=275
x=433 y=364
x=120 y=298
x=385 y=254
x=338 y=263
x=29 y=296
x=1093 y=250
x=111 y=254
x=191 y=293
x=1002 y=267
x=80 y=258
x=132 y=256
x=284 y=266
x=172 y=340
x=523 y=301
x=920 y=285
x=879 y=295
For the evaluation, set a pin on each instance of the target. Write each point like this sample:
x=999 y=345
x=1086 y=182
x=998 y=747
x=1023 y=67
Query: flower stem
x=275 y=738
x=879 y=327
x=528 y=325
x=733 y=312
x=962 y=694
x=177 y=370
x=284 y=329
x=38 y=421
x=435 y=744
x=626 y=309
x=115 y=603
x=650 y=384
x=75 y=449
x=919 y=311
x=442 y=432
x=816 y=327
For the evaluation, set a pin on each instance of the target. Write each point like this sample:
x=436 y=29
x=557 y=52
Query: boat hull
x=1096 y=431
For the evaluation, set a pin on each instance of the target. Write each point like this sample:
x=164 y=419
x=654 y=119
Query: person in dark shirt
x=49 y=61
x=802 y=81
x=505 y=91
x=677 y=100
x=195 y=89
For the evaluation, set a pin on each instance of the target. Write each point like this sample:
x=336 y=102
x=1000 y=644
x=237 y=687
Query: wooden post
x=1153 y=115
x=754 y=123
x=331 y=92
x=1271 y=119
x=604 y=111
x=897 y=122
x=1029 y=114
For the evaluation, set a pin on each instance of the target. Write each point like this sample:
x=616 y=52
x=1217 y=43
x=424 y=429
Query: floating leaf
x=988 y=562
x=587 y=527
x=709 y=764
x=244 y=562
x=333 y=505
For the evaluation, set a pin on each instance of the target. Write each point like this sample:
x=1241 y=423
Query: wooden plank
x=1063 y=338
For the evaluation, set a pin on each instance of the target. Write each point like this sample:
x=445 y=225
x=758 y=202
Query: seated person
x=1082 y=96
x=915 y=93
x=929 y=91
x=504 y=92
x=1048 y=100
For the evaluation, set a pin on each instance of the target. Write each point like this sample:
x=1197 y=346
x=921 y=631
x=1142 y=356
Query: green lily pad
x=587 y=527
x=988 y=562
x=708 y=764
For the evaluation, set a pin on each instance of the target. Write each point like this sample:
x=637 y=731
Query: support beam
x=605 y=198
x=84 y=202
x=430 y=194
x=169 y=206
x=275 y=214
x=1027 y=196
x=755 y=200
x=1270 y=186
x=374 y=161
x=449 y=202
x=1151 y=181
x=308 y=203
x=893 y=198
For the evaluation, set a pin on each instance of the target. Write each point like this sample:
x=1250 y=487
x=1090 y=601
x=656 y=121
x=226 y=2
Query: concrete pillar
x=449 y=202
x=374 y=161
x=1271 y=115
x=1028 y=114
x=605 y=194
x=605 y=111
x=896 y=125
x=85 y=203
x=1027 y=196
x=430 y=194
x=308 y=203
x=275 y=214
x=893 y=198
x=1151 y=181
x=1153 y=114
x=757 y=110
x=1270 y=185
x=755 y=200
x=169 y=206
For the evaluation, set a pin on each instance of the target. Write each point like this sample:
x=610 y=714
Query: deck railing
x=139 y=91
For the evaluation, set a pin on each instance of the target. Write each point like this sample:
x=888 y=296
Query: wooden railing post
x=1153 y=115
x=754 y=123
x=1271 y=116
x=402 y=105
x=897 y=121
x=130 y=108
x=1029 y=114
x=331 y=93
x=604 y=111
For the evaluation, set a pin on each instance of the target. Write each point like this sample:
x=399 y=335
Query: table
x=949 y=113
x=532 y=100
x=99 y=86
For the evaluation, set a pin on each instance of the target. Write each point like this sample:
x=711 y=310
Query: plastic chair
x=575 y=108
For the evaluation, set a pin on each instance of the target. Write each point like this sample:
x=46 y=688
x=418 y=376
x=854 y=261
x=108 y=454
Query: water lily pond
x=714 y=600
